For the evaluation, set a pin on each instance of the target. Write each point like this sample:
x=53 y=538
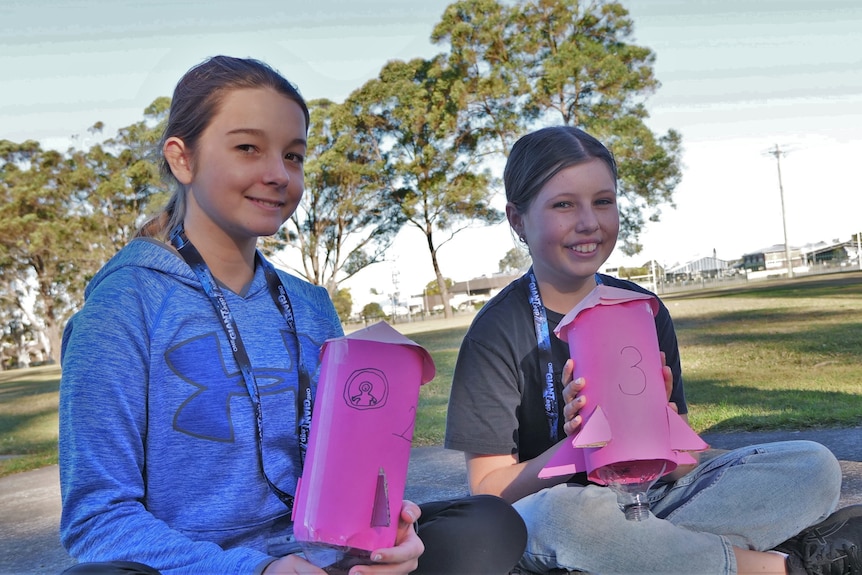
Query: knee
x=546 y=516
x=497 y=515
x=821 y=468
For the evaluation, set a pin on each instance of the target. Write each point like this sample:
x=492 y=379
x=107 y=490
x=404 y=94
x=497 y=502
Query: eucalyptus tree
x=568 y=62
x=41 y=245
x=346 y=220
x=415 y=115
x=63 y=214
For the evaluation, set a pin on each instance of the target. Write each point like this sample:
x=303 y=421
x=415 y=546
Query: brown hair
x=540 y=155
x=195 y=102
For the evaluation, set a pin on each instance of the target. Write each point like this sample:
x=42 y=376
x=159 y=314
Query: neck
x=562 y=298
x=229 y=261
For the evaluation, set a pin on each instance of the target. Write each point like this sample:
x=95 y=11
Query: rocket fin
x=683 y=437
x=567 y=460
x=380 y=511
x=296 y=498
x=596 y=432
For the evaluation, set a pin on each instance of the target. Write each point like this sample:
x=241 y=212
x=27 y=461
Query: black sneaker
x=832 y=547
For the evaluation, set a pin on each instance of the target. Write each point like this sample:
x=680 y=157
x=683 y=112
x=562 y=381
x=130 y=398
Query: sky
x=738 y=78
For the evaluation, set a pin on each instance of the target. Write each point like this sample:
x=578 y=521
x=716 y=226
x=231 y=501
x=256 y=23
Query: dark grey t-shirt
x=496 y=406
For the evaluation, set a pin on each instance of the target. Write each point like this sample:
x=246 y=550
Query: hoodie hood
x=146 y=253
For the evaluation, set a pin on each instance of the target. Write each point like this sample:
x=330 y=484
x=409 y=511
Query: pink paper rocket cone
x=612 y=339
x=355 y=472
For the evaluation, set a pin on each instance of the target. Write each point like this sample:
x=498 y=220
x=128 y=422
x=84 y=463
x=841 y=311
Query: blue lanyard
x=546 y=360
x=279 y=296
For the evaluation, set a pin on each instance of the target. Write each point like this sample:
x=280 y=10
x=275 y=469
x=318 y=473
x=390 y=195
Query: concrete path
x=30 y=501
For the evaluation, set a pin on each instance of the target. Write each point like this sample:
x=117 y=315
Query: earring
x=522 y=239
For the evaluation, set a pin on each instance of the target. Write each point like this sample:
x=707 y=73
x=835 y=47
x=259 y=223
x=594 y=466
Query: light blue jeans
x=753 y=498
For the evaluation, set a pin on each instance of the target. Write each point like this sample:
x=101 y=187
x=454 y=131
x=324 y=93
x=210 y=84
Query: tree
x=372 y=311
x=125 y=181
x=433 y=287
x=42 y=242
x=343 y=302
x=515 y=259
x=485 y=53
x=346 y=219
x=415 y=114
x=572 y=62
x=62 y=215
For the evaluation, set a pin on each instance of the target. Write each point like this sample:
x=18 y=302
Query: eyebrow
x=260 y=133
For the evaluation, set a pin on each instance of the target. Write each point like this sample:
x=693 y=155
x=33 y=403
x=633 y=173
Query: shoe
x=832 y=547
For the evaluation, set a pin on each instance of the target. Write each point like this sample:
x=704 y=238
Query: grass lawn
x=770 y=356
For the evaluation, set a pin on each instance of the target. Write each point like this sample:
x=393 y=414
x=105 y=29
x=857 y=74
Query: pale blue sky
x=738 y=76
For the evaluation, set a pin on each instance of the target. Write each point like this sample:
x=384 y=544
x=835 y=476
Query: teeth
x=585 y=248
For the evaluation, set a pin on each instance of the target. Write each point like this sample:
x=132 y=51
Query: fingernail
x=410 y=513
x=377 y=557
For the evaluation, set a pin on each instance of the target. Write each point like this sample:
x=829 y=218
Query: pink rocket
x=627 y=423
x=350 y=493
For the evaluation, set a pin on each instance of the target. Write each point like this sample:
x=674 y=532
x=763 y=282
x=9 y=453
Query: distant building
x=772 y=258
x=478 y=290
x=834 y=252
x=706 y=267
x=469 y=293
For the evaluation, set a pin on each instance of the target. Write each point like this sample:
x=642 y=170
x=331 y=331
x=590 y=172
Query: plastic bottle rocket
x=629 y=436
x=348 y=500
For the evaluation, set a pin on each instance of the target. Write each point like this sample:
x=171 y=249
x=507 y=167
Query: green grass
x=784 y=356
x=766 y=357
x=28 y=418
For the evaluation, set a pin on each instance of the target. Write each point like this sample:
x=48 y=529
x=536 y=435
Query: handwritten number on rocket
x=634 y=380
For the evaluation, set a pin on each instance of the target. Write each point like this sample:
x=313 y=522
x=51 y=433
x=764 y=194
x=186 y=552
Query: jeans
x=752 y=498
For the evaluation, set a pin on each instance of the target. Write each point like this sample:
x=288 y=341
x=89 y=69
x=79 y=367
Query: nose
x=586 y=221
x=277 y=172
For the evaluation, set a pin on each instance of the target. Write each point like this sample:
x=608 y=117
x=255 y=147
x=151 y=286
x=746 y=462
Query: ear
x=179 y=160
x=515 y=219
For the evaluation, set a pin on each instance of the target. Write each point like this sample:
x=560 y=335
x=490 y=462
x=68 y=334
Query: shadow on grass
x=805 y=332
x=23 y=388
x=782 y=409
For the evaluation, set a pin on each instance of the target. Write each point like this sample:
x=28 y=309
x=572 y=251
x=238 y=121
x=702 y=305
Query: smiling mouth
x=585 y=248
x=267 y=203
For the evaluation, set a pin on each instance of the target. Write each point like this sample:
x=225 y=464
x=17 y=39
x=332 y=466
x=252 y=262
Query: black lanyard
x=279 y=296
x=546 y=360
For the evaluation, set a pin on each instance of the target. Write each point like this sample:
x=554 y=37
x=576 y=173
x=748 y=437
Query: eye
x=562 y=204
x=295 y=158
x=605 y=202
x=247 y=148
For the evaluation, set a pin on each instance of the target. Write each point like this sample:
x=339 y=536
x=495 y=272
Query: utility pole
x=776 y=151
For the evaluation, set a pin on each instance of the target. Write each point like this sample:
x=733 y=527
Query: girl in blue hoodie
x=184 y=374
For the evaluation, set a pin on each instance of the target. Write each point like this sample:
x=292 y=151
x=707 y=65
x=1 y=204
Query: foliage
x=433 y=287
x=372 y=311
x=43 y=243
x=531 y=63
x=515 y=259
x=411 y=147
x=343 y=302
x=414 y=115
x=62 y=215
x=347 y=218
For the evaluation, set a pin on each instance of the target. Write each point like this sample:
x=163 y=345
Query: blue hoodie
x=159 y=460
